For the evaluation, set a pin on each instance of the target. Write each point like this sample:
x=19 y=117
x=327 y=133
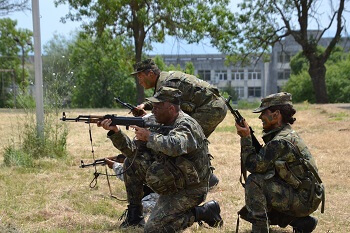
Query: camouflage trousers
x=171 y=213
x=174 y=212
x=264 y=197
x=210 y=115
x=135 y=177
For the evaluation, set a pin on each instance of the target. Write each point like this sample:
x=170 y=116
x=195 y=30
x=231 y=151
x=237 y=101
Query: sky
x=50 y=24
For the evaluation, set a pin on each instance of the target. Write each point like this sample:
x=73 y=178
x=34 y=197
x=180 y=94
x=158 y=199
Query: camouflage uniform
x=175 y=164
x=281 y=185
x=200 y=100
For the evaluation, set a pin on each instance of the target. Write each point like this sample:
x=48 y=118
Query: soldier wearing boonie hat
x=166 y=94
x=282 y=173
x=281 y=98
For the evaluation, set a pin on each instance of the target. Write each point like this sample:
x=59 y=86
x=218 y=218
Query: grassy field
x=54 y=196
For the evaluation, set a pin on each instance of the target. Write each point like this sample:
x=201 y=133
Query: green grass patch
x=339 y=116
x=14 y=157
x=229 y=128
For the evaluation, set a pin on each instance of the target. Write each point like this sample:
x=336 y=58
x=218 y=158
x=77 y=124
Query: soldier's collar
x=267 y=136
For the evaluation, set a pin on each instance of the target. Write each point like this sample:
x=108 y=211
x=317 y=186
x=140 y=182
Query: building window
x=237 y=74
x=283 y=75
x=254 y=91
x=284 y=57
x=204 y=75
x=240 y=92
x=254 y=74
x=221 y=74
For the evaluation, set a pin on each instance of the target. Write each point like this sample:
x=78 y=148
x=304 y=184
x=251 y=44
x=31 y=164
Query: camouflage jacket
x=195 y=92
x=283 y=148
x=185 y=140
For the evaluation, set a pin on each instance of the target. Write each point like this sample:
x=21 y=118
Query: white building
x=250 y=82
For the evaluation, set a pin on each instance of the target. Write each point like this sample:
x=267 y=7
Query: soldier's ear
x=276 y=113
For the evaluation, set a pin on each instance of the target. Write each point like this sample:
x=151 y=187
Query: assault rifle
x=119 y=158
x=240 y=120
x=126 y=121
x=135 y=111
x=94 y=164
x=126 y=105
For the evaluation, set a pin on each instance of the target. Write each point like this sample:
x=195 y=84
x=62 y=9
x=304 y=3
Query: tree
x=264 y=23
x=337 y=77
x=58 y=71
x=150 y=21
x=13 y=55
x=9 y=6
x=101 y=68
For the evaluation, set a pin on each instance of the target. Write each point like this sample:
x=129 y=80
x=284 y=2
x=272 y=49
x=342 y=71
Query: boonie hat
x=166 y=94
x=144 y=65
x=281 y=98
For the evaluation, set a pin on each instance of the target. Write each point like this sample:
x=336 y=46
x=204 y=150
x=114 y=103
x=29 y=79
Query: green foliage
x=58 y=71
x=337 y=78
x=146 y=22
x=14 y=48
x=31 y=147
x=229 y=91
x=15 y=157
x=189 y=67
x=259 y=25
x=244 y=104
x=9 y=6
x=101 y=68
x=338 y=82
x=300 y=87
x=189 y=20
x=299 y=62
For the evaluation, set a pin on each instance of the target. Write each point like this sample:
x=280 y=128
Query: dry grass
x=55 y=196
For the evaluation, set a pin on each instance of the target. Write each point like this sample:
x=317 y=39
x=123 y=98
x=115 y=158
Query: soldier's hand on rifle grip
x=243 y=131
x=109 y=163
x=106 y=124
x=142 y=134
x=139 y=111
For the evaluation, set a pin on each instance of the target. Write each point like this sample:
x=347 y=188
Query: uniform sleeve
x=178 y=142
x=123 y=143
x=263 y=160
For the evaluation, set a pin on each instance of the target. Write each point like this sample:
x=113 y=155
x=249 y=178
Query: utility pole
x=38 y=69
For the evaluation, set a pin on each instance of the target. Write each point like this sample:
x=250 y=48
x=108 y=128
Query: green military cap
x=144 y=65
x=166 y=94
x=281 y=98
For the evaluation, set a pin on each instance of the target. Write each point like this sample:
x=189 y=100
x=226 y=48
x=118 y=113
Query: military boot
x=209 y=213
x=213 y=181
x=304 y=224
x=133 y=217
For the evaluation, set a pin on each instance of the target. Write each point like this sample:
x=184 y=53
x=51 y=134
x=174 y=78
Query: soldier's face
x=146 y=79
x=162 y=112
x=268 y=120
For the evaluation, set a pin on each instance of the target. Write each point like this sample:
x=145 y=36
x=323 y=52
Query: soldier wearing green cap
x=174 y=164
x=200 y=100
x=283 y=187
